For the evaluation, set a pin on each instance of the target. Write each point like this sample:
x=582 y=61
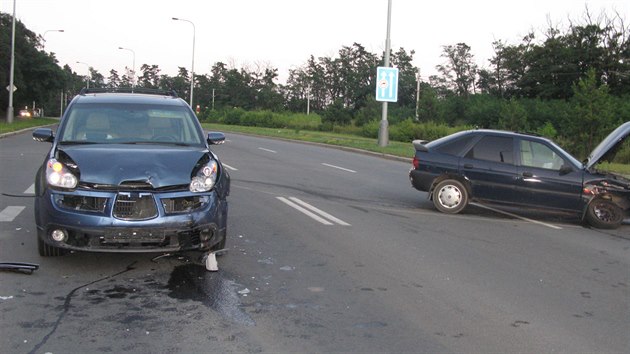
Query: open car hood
x=607 y=149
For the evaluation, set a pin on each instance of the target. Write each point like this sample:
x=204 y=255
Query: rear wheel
x=450 y=196
x=45 y=250
x=604 y=214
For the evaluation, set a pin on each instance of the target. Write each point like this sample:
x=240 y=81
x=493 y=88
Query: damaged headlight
x=205 y=178
x=58 y=175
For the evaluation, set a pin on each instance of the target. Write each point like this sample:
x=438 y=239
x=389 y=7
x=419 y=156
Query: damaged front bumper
x=131 y=221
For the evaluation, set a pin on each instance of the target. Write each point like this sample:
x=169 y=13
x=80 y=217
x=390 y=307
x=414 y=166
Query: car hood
x=607 y=149
x=115 y=164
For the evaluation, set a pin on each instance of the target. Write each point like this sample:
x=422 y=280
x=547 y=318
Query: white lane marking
x=9 y=213
x=516 y=216
x=230 y=167
x=308 y=213
x=320 y=212
x=30 y=190
x=271 y=151
x=339 y=168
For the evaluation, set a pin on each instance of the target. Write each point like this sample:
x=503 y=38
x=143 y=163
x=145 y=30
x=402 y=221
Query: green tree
x=150 y=77
x=592 y=114
x=336 y=114
x=37 y=75
x=513 y=117
x=459 y=72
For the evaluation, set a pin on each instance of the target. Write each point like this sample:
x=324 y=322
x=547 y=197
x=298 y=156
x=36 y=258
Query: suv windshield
x=130 y=123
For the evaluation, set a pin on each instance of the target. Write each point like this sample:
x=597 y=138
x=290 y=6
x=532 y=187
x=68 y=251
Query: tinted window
x=456 y=146
x=493 y=148
x=539 y=155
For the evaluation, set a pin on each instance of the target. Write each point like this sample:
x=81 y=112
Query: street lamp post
x=44 y=35
x=11 y=86
x=192 y=69
x=88 y=72
x=133 y=68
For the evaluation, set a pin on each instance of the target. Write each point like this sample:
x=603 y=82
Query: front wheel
x=604 y=214
x=450 y=196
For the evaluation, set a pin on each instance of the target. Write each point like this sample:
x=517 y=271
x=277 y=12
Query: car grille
x=135 y=206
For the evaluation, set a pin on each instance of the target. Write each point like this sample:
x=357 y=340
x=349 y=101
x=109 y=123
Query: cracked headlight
x=205 y=178
x=58 y=175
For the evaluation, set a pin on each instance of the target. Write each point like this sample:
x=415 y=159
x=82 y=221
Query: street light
x=133 y=68
x=11 y=72
x=88 y=72
x=192 y=69
x=44 y=35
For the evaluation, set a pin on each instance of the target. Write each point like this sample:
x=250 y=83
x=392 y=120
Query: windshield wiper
x=155 y=143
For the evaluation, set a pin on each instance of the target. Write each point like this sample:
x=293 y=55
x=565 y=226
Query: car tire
x=450 y=196
x=46 y=250
x=604 y=214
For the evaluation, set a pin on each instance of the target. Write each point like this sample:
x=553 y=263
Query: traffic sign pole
x=383 y=132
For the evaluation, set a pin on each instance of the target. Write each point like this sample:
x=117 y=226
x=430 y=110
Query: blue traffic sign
x=386 y=84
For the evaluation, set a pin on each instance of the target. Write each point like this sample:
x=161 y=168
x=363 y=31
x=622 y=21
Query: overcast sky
x=282 y=33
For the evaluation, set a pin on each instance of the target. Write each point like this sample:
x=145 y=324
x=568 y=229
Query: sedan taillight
x=416 y=162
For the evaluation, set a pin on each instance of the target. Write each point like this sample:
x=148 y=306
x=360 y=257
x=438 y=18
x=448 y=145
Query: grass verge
x=19 y=124
x=395 y=148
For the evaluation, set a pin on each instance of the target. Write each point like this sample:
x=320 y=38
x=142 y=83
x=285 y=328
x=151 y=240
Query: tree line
x=567 y=82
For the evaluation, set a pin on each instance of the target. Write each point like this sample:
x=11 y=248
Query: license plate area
x=133 y=236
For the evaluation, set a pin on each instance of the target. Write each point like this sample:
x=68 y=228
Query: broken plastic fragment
x=211 y=262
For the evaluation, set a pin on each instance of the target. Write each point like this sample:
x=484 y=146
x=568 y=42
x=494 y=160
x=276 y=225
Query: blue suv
x=130 y=172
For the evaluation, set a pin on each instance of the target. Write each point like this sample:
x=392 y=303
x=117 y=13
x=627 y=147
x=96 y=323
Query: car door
x=489 y=166
x=545 y=178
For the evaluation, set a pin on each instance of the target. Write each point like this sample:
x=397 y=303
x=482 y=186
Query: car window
x=493 y=148
x=535 y=154
x=455 y=146
x=130 y=123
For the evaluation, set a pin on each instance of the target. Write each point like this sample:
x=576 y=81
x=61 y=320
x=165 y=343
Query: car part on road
x=22 y=267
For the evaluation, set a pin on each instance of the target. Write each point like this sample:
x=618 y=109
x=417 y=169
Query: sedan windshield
x=130 y=124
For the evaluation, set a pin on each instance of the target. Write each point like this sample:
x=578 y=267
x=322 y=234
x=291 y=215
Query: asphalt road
x=329 y=251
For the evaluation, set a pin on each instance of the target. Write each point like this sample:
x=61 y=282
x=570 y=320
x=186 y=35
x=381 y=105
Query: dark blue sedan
x=523 y=170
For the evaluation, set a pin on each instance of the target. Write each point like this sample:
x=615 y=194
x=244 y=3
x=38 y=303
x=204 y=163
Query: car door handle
x=528 y=174
x=468 y=165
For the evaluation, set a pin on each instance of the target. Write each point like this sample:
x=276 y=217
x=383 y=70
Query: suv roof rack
x=144 y=90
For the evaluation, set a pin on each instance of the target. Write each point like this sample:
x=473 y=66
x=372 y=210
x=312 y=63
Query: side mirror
x=565 y=170
x=216 y=138
x=43 y=135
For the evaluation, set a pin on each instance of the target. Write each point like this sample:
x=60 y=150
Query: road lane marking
x=271 y=151
x=30 y=190
x=517 y=216
x=339 y=168
x=320 y=212
x=9 y=213
x=312 y=212
x=306 y=212
x=230 y=167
